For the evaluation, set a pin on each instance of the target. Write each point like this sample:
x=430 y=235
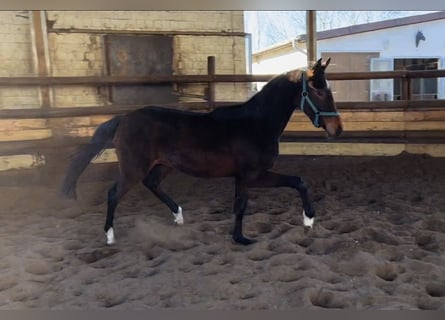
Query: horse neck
x=275 y=104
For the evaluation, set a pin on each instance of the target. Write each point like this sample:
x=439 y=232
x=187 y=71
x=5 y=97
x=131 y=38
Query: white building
x=411 y=43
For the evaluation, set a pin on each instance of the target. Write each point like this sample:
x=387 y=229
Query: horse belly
x=205 y=164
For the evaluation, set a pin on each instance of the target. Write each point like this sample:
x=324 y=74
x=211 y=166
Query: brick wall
x=149 y=20
x=191 y=58
x=16 y=59
x=82 y=54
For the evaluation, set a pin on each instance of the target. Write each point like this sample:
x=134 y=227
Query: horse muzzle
x=333 y=126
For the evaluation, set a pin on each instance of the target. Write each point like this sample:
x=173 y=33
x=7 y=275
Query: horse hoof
x=110 y=237
x=179 y=218
x=307 y=222
x=243 y=240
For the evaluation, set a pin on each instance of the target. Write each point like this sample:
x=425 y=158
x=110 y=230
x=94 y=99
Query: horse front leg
x=270 y=179
x=153 y=180
x=239 y=207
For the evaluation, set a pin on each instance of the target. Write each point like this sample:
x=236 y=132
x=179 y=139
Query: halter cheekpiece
x=305 y=98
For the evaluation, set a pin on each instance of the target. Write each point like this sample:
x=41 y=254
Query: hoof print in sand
x=258 y=254
x=36 y=267
x=427 y=242
x=263 y=227
x=436 y=289
x=387 y=272
x=96 y=255
x=328 y=299
x=341 y=227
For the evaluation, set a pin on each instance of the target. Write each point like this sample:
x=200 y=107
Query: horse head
x=419 y=36
x=316 y=99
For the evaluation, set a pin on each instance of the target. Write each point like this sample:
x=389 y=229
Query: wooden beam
x=211 y=93
x=360 y=149
x=391 y=115
x=39 y=40
x=85 y=111
x=22 y=135
x=117 y=80
x=425 y=115
x=334 y=149
x=434 y=150
x=418 y=110
x=161 y=79
x=361 y=116
x=311 y=27
x=370 y=126
x=149 y=32
x=410 y=74
x=341 y=149
x=22 y=124
x=21 y=161
x=8 y=162
x=354 y=126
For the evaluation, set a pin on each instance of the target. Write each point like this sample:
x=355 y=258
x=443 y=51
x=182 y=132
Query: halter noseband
x=305 y=97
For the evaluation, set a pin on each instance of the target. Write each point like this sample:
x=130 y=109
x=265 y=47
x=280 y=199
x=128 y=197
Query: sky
x=271 y=27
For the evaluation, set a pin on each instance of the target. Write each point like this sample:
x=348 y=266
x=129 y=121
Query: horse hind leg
x=153 y=180
x=239 y=207
x=116 y=192
x=111 y=207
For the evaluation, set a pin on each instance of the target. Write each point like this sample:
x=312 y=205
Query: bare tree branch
x=271 y=27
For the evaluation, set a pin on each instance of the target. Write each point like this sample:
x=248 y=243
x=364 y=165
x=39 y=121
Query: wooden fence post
x=211 y=70
x=406 y=87
x=311 y=36
x=39 y=38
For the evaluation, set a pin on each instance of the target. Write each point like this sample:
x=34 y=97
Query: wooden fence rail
x=372 y=127
x=204 y=78
x=50 y=113
x=211 y=79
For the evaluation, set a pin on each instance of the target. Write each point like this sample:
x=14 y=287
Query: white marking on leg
x=179 y=219
x=307 y=222
x=110 y=236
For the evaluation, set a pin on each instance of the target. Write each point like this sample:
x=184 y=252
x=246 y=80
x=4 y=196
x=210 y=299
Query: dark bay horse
x=239 y=141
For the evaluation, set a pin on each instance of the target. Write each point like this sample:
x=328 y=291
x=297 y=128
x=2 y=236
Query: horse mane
x=279 y=81
x=266 y=97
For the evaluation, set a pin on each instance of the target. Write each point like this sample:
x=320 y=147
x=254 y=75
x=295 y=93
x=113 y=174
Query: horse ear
x=317 y=65
x=321 y=66
x=318 y=76
x=325 y=65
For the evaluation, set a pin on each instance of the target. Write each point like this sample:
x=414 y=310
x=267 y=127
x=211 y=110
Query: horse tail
x=102 y=137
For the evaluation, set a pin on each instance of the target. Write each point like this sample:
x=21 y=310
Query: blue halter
x=305 y=97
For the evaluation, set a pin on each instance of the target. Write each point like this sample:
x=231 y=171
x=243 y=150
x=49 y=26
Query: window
x=391 y=89
x=421 y=88
x=381 y=89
